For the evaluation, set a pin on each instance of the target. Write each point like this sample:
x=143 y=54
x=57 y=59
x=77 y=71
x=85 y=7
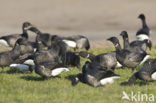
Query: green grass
x=31 y=88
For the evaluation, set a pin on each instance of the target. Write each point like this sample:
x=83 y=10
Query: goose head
x=115 y=41
x=26 y=25
x=124 y=34
x=141 y=16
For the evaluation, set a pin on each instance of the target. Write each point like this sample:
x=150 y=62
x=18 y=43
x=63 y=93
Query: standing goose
x=136 y=45
x=94 y=75
x=77 y=42
x=10 y=40
x=146 y=73
x=107 y=60
x=146 y=43
x=7 y=58
x=49 y=69
x=144 y=32
x=128 y=46
x=126 y=57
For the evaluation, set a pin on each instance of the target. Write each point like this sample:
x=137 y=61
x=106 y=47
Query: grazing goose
x=95 y=76
x=146 y=73
x=107 y=60
x=126 y=57
x=77 y=42
x=7 y=58
x=144 y=32
x=10 y=40
x=71 y=59
x=128 y=46
x=49 y=69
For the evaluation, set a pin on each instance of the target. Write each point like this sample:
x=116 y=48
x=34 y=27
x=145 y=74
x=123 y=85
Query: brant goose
x=107 y=60
x=146 y=73
x=144 y=32
x=94 y=75
x=49 y=69
x=126 y=57
x=7 y=58
x=137 y=45
x=10 y=40
x=77 y=42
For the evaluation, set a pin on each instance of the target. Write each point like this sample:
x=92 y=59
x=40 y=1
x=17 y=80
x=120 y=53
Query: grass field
x=28 y=87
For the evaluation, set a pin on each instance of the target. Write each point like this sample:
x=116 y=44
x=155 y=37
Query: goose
x=71 y=59
x=144 y=32
x=107 y=60
x=49 y=69
x=128 y=46
x=10 y=40
x=7 y=58
x=146 y=73
x=27 y=46
x=136 y=45
x=146 y=43
x=95 y=76
x=77 y=42
x=57 y=49
x=44 y=38
x=126 y=57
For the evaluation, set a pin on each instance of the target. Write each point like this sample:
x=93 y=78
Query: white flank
x=145 y=58
x=142 y=37
x=118 y=65
x=109 y=80
x=20 y=67
x=70 y=43
x=35 y=50
x=29 y=62
x=153 y=76
x=57 y=71
x=3 y=42
x=88 y=55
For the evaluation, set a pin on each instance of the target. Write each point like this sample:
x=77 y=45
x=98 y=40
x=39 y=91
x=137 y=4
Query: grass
x=31 y=88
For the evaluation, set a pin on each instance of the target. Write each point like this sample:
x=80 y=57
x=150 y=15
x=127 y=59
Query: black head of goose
x=107 y=60
x=144 y=32
x=77 y=42
x=95 y=76
x=146 y=43
x=7 y=58
x=10 y=40
x=71 y=59
x=146 y=73
x=128 y=46
x=49 y=69
x=126 y=57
